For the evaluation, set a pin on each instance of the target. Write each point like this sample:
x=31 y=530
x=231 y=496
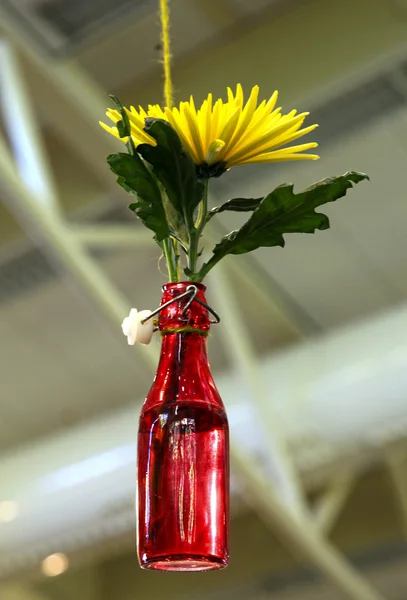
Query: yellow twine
x=165 y=37
x=203 y=332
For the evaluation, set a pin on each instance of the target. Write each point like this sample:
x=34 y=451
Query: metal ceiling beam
x=330 y=505
x=59 y=75
x=24 y=131
x=239 y=348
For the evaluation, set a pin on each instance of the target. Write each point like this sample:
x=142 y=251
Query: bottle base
x=184 y=563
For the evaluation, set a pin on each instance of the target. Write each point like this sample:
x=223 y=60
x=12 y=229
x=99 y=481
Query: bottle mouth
x=184 y=309
x=182 y=286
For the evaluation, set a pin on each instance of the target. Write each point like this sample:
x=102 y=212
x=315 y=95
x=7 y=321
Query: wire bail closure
x=191 y=291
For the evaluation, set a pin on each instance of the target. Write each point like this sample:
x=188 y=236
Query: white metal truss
x=43 y=219
x=330 y=505
x=243 y=357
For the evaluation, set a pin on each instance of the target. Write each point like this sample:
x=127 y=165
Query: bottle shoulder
x=179 y=393
x=193 y=415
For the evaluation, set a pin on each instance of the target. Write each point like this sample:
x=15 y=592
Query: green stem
x=203 y=208
x=177 y=260
x=169 y=253
x=193 y=250
x=197 y=228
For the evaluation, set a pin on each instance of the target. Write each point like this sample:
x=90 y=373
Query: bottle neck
x=183 y=373
x=186 y=350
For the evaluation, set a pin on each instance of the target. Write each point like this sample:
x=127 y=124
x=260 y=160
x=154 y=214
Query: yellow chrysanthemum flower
x=232 y=133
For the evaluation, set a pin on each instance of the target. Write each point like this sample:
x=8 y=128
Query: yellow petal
x=233 y=131
x=112 y=131
x=293 y=149
x=265 y=110
x=194 y=132
x=141 y=136
x=215 y=119
x=192 y=105
x=174 y=118
x=156 y=112
x=287 y=139
x=246 y=115
x=229 y=128
x=239 y=95
x=260 y=123
x=138 y=140
x=278 y=154
x=208 y=120
x=142 y=113
x=276 y=158
x=113 y=115
x=258 y=142
x=282 y=140
x=135 y=119
x=225 y=112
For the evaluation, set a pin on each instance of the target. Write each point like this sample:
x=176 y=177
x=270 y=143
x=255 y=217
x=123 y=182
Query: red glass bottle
x=183 y=449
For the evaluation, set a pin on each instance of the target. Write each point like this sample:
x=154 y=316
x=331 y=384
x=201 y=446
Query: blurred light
x=90 y=468
x=8 y=511
x=55 y=564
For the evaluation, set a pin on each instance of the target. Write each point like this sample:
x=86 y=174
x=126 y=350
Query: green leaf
x=135 y=178
x=237 y=205
x=174 y=168
x=282 y=212
x=123 y=126
x=176 y=224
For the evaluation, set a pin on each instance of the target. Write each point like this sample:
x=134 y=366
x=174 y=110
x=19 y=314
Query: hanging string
x=165 y=38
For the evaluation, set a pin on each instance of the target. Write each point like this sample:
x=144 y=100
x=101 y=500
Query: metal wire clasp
x=191 y=291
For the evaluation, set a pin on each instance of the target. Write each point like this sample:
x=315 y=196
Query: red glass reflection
x=183 y=451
